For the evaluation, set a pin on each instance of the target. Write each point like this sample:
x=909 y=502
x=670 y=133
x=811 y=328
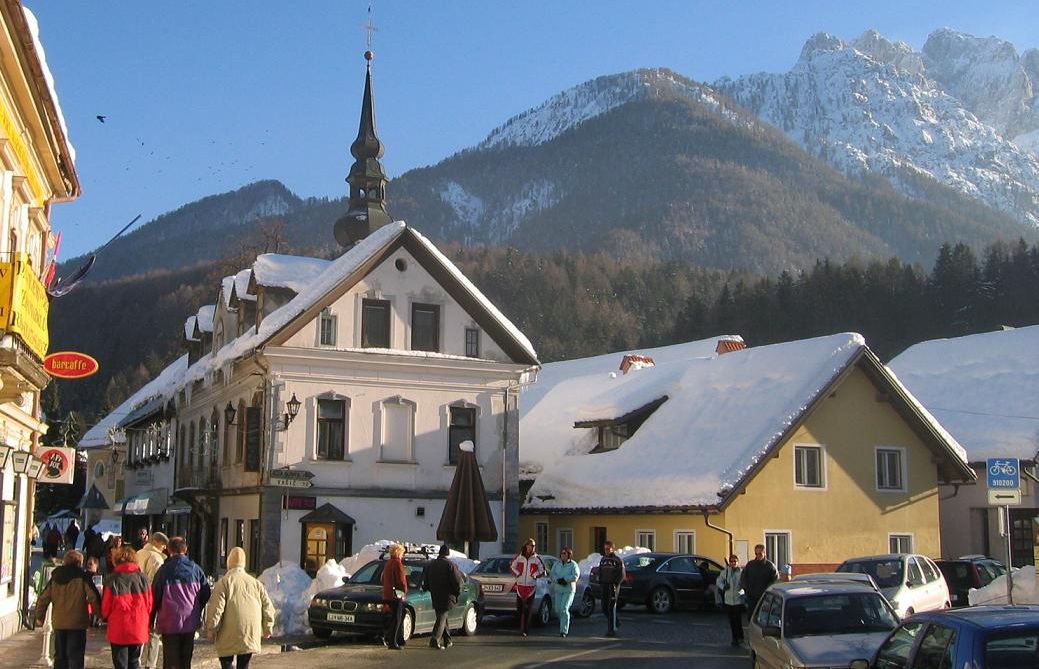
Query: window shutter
x=252 y=439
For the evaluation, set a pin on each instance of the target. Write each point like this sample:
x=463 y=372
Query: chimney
x=635 y=361
x=729 y=343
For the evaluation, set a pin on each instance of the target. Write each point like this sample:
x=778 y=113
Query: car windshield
x=371 y=573
x=829 y=614
x=498 y=566
x=886 y=572
x=1019 y=648
x=636 y=562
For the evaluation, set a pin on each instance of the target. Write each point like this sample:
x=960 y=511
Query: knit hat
x=236 y=558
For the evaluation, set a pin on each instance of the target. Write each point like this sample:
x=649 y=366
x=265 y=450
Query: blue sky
x=205 y=97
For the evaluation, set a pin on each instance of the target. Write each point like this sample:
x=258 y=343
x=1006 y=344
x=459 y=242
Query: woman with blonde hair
x=394 y=590
x=126 y=604
x=527 y=567
x=239 y=615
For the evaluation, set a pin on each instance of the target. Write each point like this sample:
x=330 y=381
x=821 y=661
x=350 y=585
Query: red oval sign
x=70 y=365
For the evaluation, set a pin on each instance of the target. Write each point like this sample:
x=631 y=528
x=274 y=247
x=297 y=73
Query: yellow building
x=812 y=448
x=36 y=170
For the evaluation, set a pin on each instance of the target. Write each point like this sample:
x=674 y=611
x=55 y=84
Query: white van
x=911 y=582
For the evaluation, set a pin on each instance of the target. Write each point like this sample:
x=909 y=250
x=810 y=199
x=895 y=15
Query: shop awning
x=178 y=508
x=328 y=513
x=147 y=503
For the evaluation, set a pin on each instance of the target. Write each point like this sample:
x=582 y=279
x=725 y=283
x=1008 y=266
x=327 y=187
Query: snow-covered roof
x=241 y=285
x=160 y=386
x=226 y=285
x=276 y=270
x=204 y=317
x=189 y=328
x=745 y=400
x=984 y=389
x=41 y=56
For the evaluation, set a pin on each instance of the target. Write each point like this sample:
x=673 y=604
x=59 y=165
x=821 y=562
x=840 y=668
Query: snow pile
x=996 y=592
x=462 y=561
x=287 y=586
x=364 y=556
x=331 y=575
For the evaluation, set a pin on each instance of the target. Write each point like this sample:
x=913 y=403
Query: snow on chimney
x=634 y=361
x=729 y=343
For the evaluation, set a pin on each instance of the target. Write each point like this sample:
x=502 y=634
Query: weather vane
x=370 y=27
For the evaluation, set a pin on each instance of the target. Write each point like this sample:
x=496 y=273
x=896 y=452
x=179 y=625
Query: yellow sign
x=23 y=304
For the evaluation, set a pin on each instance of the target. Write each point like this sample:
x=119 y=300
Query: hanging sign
x=59 y=464
x=70 y=365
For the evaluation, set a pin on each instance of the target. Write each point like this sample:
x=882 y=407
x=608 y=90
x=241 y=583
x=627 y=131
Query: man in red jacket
x=126 y=604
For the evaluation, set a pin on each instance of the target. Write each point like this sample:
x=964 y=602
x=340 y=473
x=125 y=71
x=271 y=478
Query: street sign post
x=298 y=474
x=290 y=483
x=1004 y=489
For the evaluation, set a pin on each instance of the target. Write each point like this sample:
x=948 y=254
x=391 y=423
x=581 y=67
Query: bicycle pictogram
x=1002 y=468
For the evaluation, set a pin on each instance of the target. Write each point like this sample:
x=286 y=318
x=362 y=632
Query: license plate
x=341 y=617
x=494 y=588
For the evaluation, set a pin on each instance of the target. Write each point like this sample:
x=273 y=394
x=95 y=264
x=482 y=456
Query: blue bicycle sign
x=1004 y=473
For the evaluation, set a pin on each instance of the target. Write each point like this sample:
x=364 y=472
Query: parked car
x=980 y=637
x=357 y=608
x=969 y=571
x=663 y=581
x=494 y=580
x=818 y=623
x=831 y=577
x=912 y=583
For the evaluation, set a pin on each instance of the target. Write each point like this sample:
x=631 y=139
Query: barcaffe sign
x=70 y=365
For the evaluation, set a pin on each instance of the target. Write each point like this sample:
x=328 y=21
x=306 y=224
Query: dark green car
x=357 y=606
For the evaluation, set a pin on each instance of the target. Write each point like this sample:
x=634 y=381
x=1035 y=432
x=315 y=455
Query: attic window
x=401 y=264
x=615 y=431
x=611 y=437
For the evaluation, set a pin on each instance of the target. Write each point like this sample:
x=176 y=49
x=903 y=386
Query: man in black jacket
x=611 y=575
x=443 y=579
x=758 y=574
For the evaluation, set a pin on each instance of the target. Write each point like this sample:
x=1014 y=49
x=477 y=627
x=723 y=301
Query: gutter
x=707 y=521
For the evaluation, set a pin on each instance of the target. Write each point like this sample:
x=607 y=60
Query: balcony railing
x=204 y=477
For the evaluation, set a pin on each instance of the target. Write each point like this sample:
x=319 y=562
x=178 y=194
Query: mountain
x=947 y=114
x=651 y=164
x=195 y=232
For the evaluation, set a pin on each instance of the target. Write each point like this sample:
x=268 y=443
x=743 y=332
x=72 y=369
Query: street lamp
x=229 y=414
x=20 y=461
x=35 y=467
x=291 y=411
x=5 y=452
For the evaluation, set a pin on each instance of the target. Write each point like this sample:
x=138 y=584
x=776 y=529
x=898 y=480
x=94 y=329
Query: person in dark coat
x=71 y=593
x=394 y=590
x=758 y=574
x=51 y=541
x=72 y=534
x=611 y=575
x=443 y=580
x=126 y=605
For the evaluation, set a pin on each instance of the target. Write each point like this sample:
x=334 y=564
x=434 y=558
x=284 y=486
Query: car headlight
x=371 y=607
x=318 y=601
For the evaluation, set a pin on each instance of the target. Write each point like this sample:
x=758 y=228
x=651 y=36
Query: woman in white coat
x=239 y=615
x=730 y=596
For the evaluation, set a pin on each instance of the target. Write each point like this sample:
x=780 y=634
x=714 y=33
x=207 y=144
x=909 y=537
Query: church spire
x=367 y=178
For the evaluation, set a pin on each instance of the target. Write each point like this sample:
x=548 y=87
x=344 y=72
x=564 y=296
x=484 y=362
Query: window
x=327 y=328
x=685 y=541
x=900 y=543
x=768 y=612
x=894 y=653
x=462 y=428
x=331 y=429
x=398 y=430
x=936 y=648
x=239 y=533
x=239 y=448
x=808 y=467
x=681 y=565
x=223 y=540
x=541 y=536
x=777 y=547
x=472 y=343
x=890 y=469
x=425 y=327
x=99 y=471
x=646 y=539
x=214 y=437
x=375 y=323
x=566 y=538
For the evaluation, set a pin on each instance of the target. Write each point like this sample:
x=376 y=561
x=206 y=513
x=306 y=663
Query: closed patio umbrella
x=467 y=513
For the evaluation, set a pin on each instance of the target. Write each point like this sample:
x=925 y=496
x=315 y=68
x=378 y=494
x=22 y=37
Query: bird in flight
x=101 y=117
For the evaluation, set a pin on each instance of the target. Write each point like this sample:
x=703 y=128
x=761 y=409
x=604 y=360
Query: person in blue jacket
x=564 y=575
x=180 y=591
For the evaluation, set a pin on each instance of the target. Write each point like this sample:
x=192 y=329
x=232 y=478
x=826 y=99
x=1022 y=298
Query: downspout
x=504 y=461
x=707 y=521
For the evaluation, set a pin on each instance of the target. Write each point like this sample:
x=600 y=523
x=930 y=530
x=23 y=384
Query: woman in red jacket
x=126 y=604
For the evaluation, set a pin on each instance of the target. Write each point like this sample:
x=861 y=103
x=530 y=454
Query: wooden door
x=318 y=544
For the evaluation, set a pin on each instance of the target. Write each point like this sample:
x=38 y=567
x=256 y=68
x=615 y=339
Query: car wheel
x=587 y=605
x=322 y=633
x=408 y=625
x=470 y=620
x=544 y=612
x=660 y=600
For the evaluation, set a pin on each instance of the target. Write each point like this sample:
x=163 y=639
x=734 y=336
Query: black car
x=357 y=606
x=663 y=581
x=969 y=571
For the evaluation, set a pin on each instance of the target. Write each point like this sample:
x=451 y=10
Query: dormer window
x=612 y=432
x=327 y=328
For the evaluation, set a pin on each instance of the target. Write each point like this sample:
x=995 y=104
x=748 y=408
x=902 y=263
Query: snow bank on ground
x=287 y=586
x=462 y=561
x=364 y=556
x=329 y=576
x=996 y=592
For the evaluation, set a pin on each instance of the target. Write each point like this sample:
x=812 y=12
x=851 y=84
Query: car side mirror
x=346 y=579
x=772 y=631
x=859 y=664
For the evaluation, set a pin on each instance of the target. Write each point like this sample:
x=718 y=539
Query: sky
x=203 y=97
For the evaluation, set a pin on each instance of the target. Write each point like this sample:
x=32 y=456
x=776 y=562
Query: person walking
x=150 y=559
x=51 y=541
x=72 y=534
x=758 y=574
x=527 y=567
x=239 y=615
x=564 y=575
x=611 y=575
x=71 y=592
x=180 y=592
x=443 y=580
x=114 y=544
x=730 y=597
x=126 y=605
x=394 y=590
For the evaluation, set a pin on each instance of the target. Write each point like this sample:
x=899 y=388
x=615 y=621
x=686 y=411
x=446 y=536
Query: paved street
x=646 y=641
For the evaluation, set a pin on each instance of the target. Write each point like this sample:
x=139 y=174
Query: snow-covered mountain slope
x=869 y=105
